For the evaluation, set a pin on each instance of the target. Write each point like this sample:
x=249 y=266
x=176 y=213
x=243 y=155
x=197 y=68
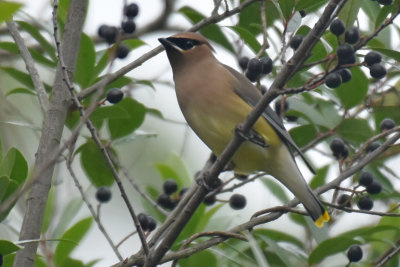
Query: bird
x=214 y=98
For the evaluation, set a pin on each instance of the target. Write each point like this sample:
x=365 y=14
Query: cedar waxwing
x=214 y=99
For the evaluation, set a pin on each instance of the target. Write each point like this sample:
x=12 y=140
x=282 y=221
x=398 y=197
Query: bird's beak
x=168 y=45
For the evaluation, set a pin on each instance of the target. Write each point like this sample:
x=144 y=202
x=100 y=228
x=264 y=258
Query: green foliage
x=7 y=9
x=94 y=164
x=70 y=240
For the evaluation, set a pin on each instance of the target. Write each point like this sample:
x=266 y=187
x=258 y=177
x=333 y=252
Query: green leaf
x=7 y=10
x=303 y=134
x=4 y=181
x=382 y=15
x=250 y=19
x=329 y=247
x=134 y=43
x=108 y=112
x=35 y=33
x=40 y=58
x=318 y=52
x=174 y=167
x=371 y=8
x=14 y=166
x=353 y=92
x=49 y=210
x=286 y=256
x=320 y=177
x=276 y=189
x=247 y=37
x=145 y=82
x=279 y=236
x=355 y=130
x=95 y=165
x=21 y=90
x=211 y=31
x=101 y=63
x=200 y=259
x=287 y=8
x=86 y=62
x=310 y=5
x=68 y=214
x=20 y=76
x=7 y=247
x=70 y=240
x=349 y=12
x=10 y=47
x=120 y=127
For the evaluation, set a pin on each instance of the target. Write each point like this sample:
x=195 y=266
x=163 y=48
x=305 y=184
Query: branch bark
x=53 y=126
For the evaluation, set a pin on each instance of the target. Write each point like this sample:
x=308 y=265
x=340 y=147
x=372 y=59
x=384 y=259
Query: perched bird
x=215 y=98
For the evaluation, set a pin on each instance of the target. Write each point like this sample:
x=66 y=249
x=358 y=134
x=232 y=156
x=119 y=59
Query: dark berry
x=371 y=147
x=128 y=26
x=216 y=183
x=241 y=177
x=352 y=35
x=344 y=51
x=237 y=202
x=114 y=95
x=278 y=106
x=345 y=153
x=131 y=10
x=303 y=13
x=295 y=41
x=103 y=194
x=345 y=74
x=143 y=220
x=365 y=203
x=337 y=145
x=263 y=89
x=366 y=178
x=349 y=60
x=266 y=65
x=255 y=66
x=333 y=80
x=252 y=78
x=210 y=200
x=372 y=58
x=377 y=71
x=385 y=2
x=387 y=124
x=165 y=201
x=183 y=191
x=354 y=253
x=108 y=33
x=291 y=118
x=243 y=61
x=344 y=199
x=374 y=188
x=170 y=187
x=122 y=51
x=337 y=27
x=152 y=224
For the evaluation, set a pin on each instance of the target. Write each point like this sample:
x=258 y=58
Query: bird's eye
x=189 y=44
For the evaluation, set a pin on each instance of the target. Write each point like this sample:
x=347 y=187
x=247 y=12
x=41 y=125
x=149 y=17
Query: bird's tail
x=287 y=172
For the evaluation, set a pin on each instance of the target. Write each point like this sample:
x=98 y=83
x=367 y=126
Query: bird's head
x=186 y=48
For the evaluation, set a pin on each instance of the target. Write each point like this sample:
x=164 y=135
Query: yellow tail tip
x=322 y=219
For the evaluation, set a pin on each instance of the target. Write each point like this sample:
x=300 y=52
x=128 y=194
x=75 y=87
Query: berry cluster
x=147 y=222
x=373 y=60
x=110 y=33
x=168 y=199
x=103 y=194
x=339 y=148
x=254 y=68
x=373 y=187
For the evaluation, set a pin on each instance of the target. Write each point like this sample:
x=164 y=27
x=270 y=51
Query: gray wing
x=249 y=93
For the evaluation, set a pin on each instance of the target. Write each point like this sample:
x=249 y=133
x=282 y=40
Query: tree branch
x=30 y=66
x=53 y=126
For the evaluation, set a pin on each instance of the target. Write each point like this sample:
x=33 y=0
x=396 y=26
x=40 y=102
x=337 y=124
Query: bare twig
x=93 y=131
x=265 y=44
x=95 y=216
x=30 y=66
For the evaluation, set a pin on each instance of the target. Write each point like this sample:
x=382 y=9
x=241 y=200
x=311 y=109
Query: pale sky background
x=114 y=215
